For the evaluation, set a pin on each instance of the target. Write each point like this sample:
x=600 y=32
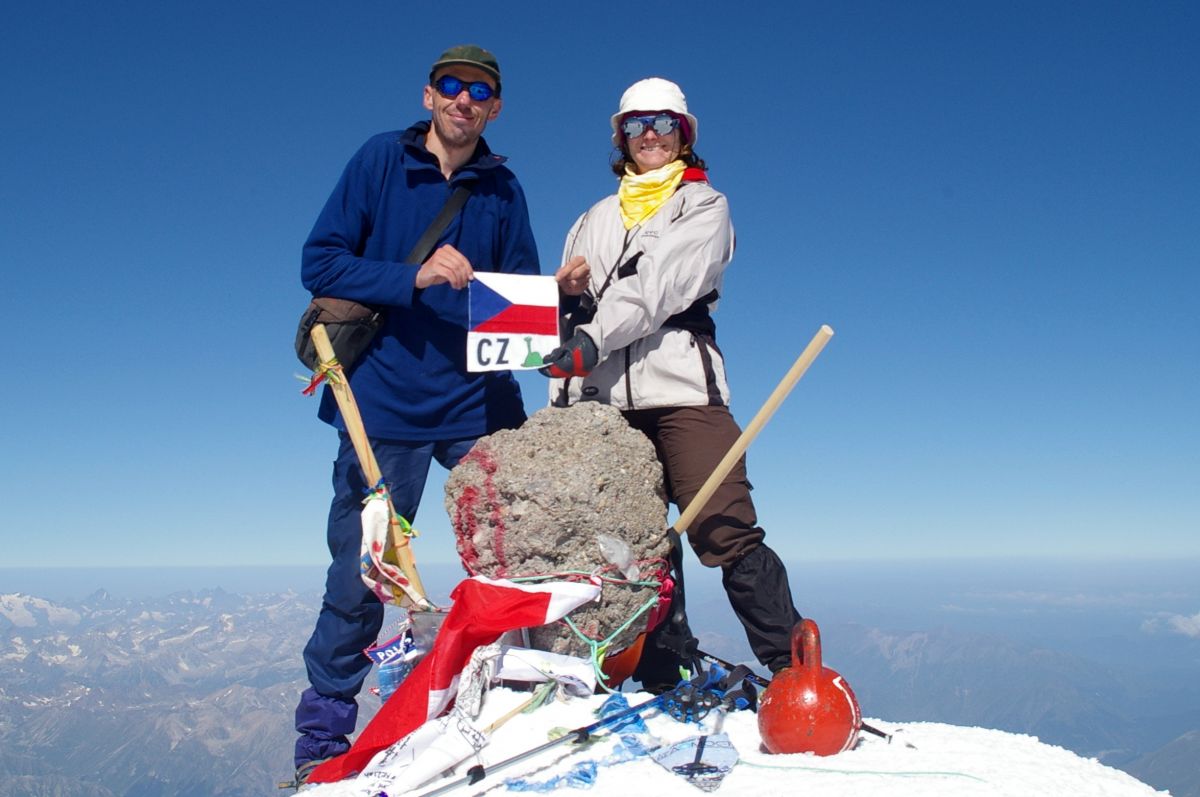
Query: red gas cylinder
x=808 y=708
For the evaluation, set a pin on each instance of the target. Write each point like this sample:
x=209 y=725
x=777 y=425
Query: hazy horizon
x=145 y=580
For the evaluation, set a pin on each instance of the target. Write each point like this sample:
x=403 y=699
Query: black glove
x=577 y=357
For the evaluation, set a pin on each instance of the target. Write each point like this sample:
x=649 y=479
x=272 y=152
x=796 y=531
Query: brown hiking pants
x=690 y=442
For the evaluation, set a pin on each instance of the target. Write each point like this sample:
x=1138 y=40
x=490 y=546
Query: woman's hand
x=572 y=278
x=576 y=357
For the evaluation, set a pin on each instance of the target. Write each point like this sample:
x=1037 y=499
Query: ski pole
x=696 y=766
x=758 y=680
x=479 y=772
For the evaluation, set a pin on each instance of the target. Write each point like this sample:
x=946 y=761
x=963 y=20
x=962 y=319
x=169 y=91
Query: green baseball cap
x=470 y=55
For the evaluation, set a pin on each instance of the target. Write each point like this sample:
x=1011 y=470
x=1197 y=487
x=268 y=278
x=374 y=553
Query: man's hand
x=446 y=264
x=572 y=278
x=577 y=357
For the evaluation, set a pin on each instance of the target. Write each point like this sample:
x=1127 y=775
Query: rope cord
x=329 y=370
x=880 y=773
x=598 y=649
x=582 y=575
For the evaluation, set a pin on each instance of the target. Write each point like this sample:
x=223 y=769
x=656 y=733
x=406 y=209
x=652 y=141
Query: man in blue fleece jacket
x=417 y=400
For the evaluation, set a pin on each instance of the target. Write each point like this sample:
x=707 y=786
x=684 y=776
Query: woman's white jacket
x=679 y=257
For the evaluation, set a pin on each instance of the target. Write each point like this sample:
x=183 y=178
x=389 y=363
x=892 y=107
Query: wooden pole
x=751 y=431
x=366 y=460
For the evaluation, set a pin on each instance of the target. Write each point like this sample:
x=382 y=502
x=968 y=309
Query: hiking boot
x=300 y=782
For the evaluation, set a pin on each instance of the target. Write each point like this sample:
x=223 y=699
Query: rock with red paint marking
x=538 y=500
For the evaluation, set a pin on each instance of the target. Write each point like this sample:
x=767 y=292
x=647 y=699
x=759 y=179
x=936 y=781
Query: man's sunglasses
x=662 y=124
x=450 y=87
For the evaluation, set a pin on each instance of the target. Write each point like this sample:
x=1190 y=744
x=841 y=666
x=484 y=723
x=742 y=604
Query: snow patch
x=24 y=611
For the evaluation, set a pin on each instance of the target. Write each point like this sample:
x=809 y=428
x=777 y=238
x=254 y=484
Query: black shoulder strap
x=425 y=244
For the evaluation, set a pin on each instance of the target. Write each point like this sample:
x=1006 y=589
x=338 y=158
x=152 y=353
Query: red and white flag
x=513 y=321
x=483 y=609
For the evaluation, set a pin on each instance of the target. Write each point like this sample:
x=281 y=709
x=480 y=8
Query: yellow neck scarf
x=642 y=195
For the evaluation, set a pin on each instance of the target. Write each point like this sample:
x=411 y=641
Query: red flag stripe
x=528 y=319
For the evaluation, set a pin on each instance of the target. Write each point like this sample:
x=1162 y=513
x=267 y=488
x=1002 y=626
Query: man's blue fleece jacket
x=412 y=383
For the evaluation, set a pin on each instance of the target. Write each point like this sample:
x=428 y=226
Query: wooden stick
x=510 y=714
x=366 y=460
x=764 y=414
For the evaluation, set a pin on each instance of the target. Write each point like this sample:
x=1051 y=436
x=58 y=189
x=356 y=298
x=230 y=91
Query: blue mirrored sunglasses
x=662 y=124
x=450 y=87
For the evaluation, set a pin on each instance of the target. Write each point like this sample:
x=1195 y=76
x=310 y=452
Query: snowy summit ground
x=942 y=760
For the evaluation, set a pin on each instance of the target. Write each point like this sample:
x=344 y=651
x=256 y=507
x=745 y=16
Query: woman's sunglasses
x=450 y=87
x=662 y=124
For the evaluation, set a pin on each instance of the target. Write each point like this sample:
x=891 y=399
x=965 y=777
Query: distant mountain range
x=192 y=695
x=187 y=696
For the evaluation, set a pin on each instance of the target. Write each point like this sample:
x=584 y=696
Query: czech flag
x=513 y=321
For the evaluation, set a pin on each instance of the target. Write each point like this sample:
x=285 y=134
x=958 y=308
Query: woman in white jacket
x=642 y=338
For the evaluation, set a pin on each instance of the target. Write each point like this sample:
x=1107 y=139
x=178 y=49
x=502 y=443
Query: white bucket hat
x=654 y=94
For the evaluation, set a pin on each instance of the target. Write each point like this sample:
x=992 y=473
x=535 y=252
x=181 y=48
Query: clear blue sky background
x=996 y=206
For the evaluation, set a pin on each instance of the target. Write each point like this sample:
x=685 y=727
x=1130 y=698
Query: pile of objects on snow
x=561 y=525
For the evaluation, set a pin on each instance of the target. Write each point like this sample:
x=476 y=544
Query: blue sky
x=994 y=205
